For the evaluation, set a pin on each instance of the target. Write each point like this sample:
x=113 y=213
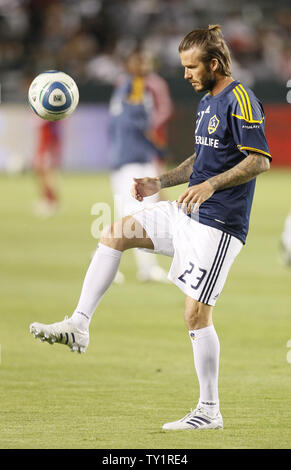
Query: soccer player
x=139 y=109
x=231 y=150
x=285 y=246
x=46 y=164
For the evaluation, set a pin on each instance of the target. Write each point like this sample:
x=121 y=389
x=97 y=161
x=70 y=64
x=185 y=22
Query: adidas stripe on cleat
x=64 y=332
x=196 y=419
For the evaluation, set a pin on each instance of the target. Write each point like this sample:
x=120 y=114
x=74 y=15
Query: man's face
x=202 y=78
x=138 y=64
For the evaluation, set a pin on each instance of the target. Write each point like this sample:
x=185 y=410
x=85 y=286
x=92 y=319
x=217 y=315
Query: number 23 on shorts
x=199 y=279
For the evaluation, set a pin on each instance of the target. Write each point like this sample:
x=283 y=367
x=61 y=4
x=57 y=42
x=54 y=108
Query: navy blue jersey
x=229 y=126
x=130 y=111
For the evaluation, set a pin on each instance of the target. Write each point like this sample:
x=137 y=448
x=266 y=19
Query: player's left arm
x=253 y=165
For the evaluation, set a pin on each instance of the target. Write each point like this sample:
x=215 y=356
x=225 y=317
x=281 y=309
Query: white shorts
x=121 y=182
x=202 y=255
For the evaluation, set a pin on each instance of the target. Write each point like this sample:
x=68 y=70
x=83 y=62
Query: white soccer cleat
x=63 y=332
x=45 y=209
x=196 y=419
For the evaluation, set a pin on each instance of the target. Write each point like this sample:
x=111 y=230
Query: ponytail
x=212 y=45
x=215 y=28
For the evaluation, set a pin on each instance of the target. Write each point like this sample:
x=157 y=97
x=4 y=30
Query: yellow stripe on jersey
x=248 y=101
x=241 y=106
x=246 y=110
x=247 y=114
x=247 y=120
x=137 y=90
x=254 y=150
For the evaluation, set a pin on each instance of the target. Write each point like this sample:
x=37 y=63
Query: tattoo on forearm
x=178 y=175
x=244 y=171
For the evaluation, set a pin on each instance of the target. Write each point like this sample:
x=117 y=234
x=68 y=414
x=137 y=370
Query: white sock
x=206 y=351
x=100 y=275
x=286 y=235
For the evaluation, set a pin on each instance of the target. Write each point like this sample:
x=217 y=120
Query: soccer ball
x=53 y=95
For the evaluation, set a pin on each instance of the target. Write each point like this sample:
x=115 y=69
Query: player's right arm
x=143 y=187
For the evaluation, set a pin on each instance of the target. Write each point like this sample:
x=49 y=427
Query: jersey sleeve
x=247 y=122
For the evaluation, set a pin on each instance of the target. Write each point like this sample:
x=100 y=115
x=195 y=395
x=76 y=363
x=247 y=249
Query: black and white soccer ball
x=53 y=95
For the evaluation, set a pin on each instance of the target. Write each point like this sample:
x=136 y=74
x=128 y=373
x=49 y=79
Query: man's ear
x=214 y=65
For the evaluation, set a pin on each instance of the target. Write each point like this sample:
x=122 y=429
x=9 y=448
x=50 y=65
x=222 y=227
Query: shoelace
x=192 y=413
x=58 y=335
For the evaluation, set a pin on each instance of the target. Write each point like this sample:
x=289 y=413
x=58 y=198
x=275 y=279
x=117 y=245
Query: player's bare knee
x=197 y=315
x=191 y=316
x=112 y=236
x=106 y=233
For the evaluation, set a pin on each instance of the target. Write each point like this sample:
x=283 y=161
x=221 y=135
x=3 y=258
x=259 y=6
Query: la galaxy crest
x=213 y=124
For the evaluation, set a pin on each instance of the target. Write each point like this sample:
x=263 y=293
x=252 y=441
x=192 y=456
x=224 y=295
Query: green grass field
x=138 y=370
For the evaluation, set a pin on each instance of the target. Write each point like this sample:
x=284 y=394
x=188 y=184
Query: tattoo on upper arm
x=178 y=175
x=244 y=171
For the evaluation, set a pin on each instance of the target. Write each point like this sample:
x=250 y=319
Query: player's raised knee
x=112 y=235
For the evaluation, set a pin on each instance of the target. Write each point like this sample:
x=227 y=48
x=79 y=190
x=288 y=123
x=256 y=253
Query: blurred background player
x=140 y=109
x=286 y=241
x=46 y=163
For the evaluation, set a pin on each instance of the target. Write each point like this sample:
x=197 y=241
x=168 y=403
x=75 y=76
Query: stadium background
x=132 y=378
x=87 y=40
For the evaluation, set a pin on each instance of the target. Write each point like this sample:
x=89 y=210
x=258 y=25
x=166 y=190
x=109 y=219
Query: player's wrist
x=159 y=182
x=213 y=183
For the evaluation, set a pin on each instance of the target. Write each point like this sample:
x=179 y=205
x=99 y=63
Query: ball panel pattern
x=57 y=97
